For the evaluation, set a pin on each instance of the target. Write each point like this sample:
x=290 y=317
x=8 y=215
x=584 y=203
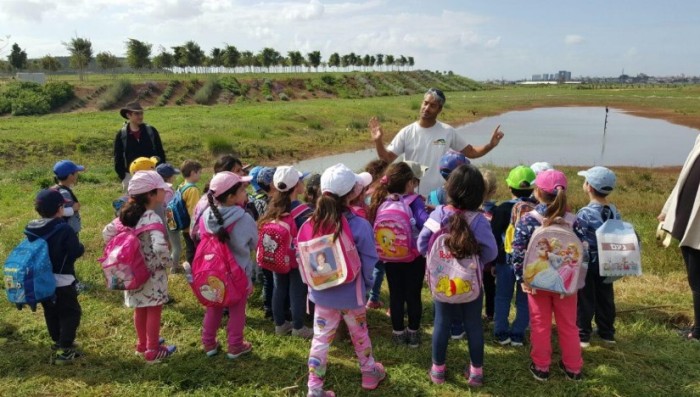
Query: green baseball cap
x=521 y=177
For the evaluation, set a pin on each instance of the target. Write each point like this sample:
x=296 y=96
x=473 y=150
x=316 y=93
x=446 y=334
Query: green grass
x=649 y=358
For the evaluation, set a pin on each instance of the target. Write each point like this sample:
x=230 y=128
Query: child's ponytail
x=465 y=191
x=461 y=241
x=556 y=205
x=280 y=204
x=394 y=181
x=221 y=234
x=329 y=210
x=135 y=207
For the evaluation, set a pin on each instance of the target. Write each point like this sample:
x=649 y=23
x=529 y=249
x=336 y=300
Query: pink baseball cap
x=225 y=180
x=550 y=181
x=145 y=181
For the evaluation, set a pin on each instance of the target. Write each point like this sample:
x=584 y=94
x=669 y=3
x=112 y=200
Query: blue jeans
x=471 y=320
x=378 y=275
x=289 y=285
x=505 y=282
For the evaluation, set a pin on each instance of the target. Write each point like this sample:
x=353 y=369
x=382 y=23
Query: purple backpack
x=451 y=280
x=393 y=229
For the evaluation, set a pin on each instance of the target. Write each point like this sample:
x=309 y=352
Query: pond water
x=562 y=136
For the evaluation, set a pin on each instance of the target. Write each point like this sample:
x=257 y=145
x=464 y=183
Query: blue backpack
x=28 y=272
x=176 y=214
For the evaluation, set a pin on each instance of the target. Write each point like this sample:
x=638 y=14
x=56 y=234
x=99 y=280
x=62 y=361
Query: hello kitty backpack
x=554 y=259
x=122 y=261
x=217 y=279
x=451 y=280
x=276 y=249
x=393 y=229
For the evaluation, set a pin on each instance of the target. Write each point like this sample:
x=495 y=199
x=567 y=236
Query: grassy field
x=649 y=359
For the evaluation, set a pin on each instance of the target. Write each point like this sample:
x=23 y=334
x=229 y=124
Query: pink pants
x=326 y=321
x=147 y=324
x=541 y=305
x=234 y=328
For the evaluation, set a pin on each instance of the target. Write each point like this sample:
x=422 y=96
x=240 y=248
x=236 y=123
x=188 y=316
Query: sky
x=481 y=39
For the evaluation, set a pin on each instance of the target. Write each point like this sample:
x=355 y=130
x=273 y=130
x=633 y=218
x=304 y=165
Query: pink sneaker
x=375 y=305
x=155 y=356
x=212 y=350
x=437 y=376
x=372 y=378
x=320 y=393
x=139 y=351
x=243 y=348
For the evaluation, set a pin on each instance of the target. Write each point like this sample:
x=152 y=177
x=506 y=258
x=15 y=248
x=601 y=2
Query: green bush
x=283 y=97
x=218 y=145
x=5 y=105
x=30 y=103
x=114 y=94
x=328 y=79
x=204 y=94
x=59 y=92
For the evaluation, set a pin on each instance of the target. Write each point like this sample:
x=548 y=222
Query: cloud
x=313 y=10
x=32 y=11
x=631 y=52
x=493 y=43
x=573 y=39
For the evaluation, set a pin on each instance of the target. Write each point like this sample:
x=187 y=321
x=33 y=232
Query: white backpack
x=618 y=247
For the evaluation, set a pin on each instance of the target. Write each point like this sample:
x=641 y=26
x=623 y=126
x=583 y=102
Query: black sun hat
x=130 y=107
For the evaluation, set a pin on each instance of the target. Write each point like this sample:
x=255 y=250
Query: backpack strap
x=48 y=235
x=607 y=213
x=433 y=197
x=298 y=210
x=124 y=134
x=409 y=199
x=186 y=186
x=150 y=227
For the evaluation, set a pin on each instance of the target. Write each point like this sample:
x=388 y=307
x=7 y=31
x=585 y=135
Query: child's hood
x=228 y=214
x=41 y=227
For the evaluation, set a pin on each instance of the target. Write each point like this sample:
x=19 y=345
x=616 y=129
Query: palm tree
x=231 y=56
x=80 y=53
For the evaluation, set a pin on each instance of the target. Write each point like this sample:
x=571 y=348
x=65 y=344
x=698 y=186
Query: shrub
x=58 y=93
x=29 y=103
x=218 y=145
x=114 y=94
x=315 y=125
x=204 y=94
x=269 y=98
x=5 y=105
x=328 y=79
x=283 y=97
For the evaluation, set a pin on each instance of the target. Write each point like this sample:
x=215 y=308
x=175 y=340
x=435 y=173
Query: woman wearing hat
x=135 y=139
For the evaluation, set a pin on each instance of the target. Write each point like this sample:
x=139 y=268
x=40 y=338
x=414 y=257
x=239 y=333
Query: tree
x=163 y=60
x=189 y=54
x=390 y=61
x=295 y=59
x=216 y=57
x=80 y=53
x=402 y=61
x=334 y=60
x=366 y=61
x=231 y=56
x=269 y=57
x=380 y=60
x=138 y=54
x=411 y=62
x=314 y=58
x=107 y=61
x=17 y=57
x=50 y=64
x=247 y=59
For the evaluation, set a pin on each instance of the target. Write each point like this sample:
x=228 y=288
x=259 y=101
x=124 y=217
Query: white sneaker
x=585 y=345
x=283 y=329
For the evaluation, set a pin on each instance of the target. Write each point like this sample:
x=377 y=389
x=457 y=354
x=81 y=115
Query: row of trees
x=190 y=54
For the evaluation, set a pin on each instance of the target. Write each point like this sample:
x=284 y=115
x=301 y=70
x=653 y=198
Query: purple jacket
x=480 y=228
x=345 y=296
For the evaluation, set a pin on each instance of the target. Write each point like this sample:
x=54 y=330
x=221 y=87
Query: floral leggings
x=326 y=321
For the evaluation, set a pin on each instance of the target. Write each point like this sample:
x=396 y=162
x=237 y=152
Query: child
x=143 y=164
x=289 y=184
x=62 y=314
x=597 y=296
x=262 y=197
x=448 y=162
x=358 y=205
x=147 y=191
x=66 y=173
x=550 y=192
x=337 y=183
x=490 y=188
x=465 y=193
x=540 y=166
x=520 y=182
x=192 y=172
x=313 y=190
x=168 y=172
x=405 y=279
x=376 y=169
x=227 y=218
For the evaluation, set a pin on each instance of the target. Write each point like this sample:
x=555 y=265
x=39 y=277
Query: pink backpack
x=393 y=229
x=276 y=250
x=325 y=263
x=554 y=257
x=122 y=260
x=217 y=280
x=452 y=280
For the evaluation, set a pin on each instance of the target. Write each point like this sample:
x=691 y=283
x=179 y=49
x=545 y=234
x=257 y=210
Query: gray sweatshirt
x=243 y=237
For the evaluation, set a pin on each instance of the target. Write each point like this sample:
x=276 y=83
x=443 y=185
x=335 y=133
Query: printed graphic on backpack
x=618 y=249
x=178 y=210
x=274 y=251
x=393 y=230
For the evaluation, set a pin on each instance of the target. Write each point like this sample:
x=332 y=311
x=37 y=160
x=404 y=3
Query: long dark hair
x=280 y=204
x=465 y=191
x=135 y=207
x=327 y=215
x=222 y=233
x=395 y=178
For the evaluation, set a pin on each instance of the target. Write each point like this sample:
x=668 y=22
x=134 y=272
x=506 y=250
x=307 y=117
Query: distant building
x=537 y=77
x=564 y=75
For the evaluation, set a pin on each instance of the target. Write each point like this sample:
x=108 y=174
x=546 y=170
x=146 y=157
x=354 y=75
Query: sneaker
x=413 y=338
x=503 y=342
x=303 y=332
x=65 y=356
x=243 y=348
x=609 y=341
x=457 y=331
x=140 y=352
x=155 y=356
x=437 y=376
x=388 y=313
x=474 y=380
x=399 y=339
x=283 y=329
x=212 y=351
x=575 y=376
x=320 y=393
x=372 y=378
x=585 y=344
x=516 y=343
x=375 y=305
x=542 y=376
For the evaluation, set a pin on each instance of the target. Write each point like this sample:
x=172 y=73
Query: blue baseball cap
x=600 y=178
x=166 y=170
x=253 y=173
x=64 y=168
x=265 y=177
x=451 y=160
